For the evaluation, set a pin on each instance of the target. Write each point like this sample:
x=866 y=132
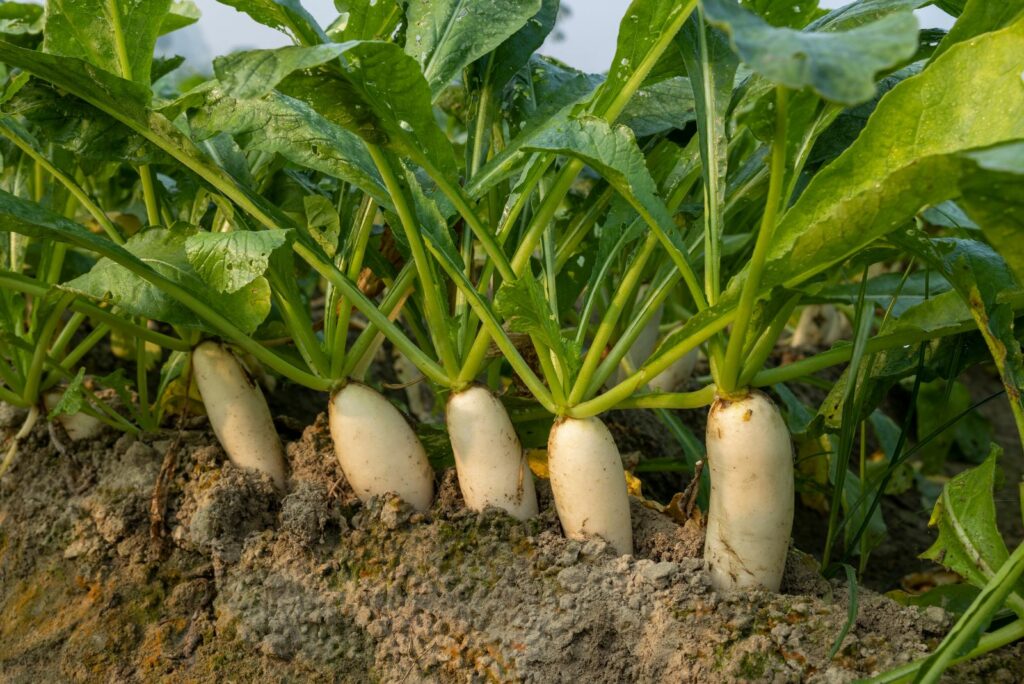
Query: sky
x=589 y=30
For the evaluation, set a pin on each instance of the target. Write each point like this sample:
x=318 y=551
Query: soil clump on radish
x=248 y=584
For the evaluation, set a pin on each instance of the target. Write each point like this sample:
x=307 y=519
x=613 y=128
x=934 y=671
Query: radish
x=750 y=516
x=588 y=482
x=489 y=459
x=673 y=377
x=820 y=326
x=78 y=425
x=238 y=412
x=378 y=451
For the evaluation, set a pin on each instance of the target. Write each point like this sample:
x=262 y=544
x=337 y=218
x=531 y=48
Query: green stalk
x=580 y=226
x=622 y=391
x=145 y=175
x=435 y=308
x=149 y=195
x=986 y=644
x=430 y=369
x=364 y=227
x=623 y=293
x=730 y=373
x=66 y=333
x=42 y=345
x=297 y=320
x=762 y=349
x=631 y=333
x=64 y=366
x=666 y=400
x=142 y=384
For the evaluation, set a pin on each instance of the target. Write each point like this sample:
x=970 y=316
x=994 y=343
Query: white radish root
x=750 y=517
x=489 y=458
x=238 y=412
x=588 y=482
x=673 y=377
x=378 y=451
x=820 y=325
x=77 y=425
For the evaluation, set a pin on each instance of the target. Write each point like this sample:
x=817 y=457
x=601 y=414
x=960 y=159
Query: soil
x=242 y=583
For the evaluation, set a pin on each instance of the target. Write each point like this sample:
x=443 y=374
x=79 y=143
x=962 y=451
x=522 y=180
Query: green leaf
x=256 y=72
x=363 y=20
x=163 y=250
x=980 y=16
x=908 y=156
x=541 y=97
x=839 y=65
x=230 y=261
x=446 y=35
x=613 y=152
x=287 y=16
x=523 y=306
x=789 y=13
x=278 y=124
x=380 y=94
x=73 y=398
x=969 y=542
x=646 y=30
x=995 y=200
x=182 y=13
x=323 y=222
x=517 y=50
x=660 y=107
x=115 y=35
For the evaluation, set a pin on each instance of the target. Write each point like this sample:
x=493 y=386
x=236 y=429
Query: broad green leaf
x=379 y=93
x=994 y=198
x=230 y=261
x=516 y=51
x=907 y=157
x=645 y=33
x=283 y=125
x=980 y=276
x=126 y=102
x=287 y=16
x=72 y=399
x=613 y=152
x=115 y=35
x=541 y=96
x=969 y=542
x=788 y=13
x=323 y=222
x=140 y=283
x=181 y=14
x=163 y=250
x=446 y=35
x=839 y=65
x=525 y=309
x=365 y=20
x=256 y=72
x=660 y=107
x=980 y=16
